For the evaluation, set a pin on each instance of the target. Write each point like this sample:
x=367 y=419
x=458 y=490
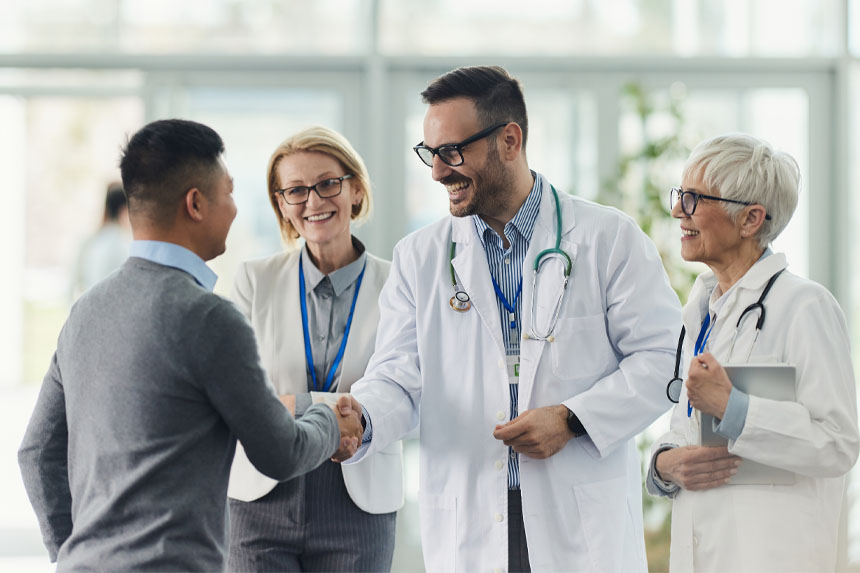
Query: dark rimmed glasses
x=452 y=153
x=326 y=189
x=690 y=200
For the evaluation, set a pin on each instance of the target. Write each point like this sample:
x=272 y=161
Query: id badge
x=513 y=363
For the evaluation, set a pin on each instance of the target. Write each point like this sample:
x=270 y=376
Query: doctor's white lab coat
x=613 y=351
x=761 y=528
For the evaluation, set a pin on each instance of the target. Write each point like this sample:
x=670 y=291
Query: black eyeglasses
x=326 y=189
x=690 y=200
x=452 y=153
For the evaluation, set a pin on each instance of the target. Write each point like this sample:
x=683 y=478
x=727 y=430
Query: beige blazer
x=267 y=293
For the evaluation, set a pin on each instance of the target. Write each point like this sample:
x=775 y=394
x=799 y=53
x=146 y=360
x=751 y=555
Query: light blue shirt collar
x=176 y=256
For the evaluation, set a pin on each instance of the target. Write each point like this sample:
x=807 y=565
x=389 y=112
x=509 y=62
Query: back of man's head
x=162 y=161
x=497 y=96
x=115 y=201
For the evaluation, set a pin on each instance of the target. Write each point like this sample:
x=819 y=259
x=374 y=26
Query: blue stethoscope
x=673 y=388
x=309 y=358
x=461 y=301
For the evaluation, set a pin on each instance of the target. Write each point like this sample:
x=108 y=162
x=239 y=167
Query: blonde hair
x=320 y=140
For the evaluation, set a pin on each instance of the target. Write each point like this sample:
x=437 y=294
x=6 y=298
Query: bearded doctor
x=529 y=394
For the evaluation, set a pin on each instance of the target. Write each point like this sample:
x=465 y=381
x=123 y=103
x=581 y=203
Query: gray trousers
x=309 y=524
x=518 y=550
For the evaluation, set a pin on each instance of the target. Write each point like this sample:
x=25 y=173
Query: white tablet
x=772 y=381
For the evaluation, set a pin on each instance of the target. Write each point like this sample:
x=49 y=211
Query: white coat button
x=500 y=415
x=695 y=540
x=499 y=465
x=500 y=517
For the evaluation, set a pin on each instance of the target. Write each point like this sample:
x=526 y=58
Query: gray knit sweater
x=127 y=455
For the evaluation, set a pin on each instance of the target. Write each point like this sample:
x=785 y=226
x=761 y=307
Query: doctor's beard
x=488 y=188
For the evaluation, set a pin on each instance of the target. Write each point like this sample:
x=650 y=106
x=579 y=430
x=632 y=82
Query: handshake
x=349 y=421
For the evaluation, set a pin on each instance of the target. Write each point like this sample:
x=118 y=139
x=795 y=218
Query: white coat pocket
x=439 y=525
x=580 y=349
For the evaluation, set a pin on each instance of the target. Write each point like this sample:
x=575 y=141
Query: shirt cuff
x=368 y=427
x=303 y=402
x=735 y=415
x=656 y=485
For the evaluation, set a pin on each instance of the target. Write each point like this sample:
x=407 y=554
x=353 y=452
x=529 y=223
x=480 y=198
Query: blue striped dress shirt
x=506 y=268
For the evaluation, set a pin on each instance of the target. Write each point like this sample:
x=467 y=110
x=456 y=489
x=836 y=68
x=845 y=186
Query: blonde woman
x=314 y=311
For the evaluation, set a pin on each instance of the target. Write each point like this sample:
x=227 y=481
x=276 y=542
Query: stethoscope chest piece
x=673 y=390
x=460 y=301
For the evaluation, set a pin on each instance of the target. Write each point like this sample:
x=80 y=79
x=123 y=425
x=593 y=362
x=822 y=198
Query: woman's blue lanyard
x=309 y=357
x=511 y=308
x=701 y=342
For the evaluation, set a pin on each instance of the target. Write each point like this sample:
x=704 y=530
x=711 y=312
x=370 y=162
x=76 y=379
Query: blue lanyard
x=308 y=354
x=511 y=308
x=699 y=348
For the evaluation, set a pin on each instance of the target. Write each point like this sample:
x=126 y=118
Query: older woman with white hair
x=737 y=195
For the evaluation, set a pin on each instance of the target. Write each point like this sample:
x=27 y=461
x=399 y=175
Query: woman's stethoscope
x=673 y=388
x=461 y=301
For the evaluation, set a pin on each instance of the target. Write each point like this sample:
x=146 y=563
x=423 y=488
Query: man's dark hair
x=115 y=201
x=498 y=97
x=165 y=159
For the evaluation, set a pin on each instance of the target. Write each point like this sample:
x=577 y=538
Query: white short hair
x=744 y=168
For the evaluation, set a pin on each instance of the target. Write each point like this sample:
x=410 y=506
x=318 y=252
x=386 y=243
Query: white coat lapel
x=289 y=369
x=543 y=237
x=473 y=274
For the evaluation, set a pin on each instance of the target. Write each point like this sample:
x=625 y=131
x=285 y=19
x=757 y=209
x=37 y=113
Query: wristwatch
x=574 y=424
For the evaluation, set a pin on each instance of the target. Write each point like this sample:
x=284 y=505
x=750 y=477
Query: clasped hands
x=348 y=413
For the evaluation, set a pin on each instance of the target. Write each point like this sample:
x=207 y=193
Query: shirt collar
x=340 y=278
x=523 y=222
x=176 y=256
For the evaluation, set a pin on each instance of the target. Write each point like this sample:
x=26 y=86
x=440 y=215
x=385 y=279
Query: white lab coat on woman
x=760 y=528
x=267 y=293
x=614 y=345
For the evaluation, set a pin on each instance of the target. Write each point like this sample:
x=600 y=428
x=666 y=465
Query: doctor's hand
x=697 y=468
x=538 y=433
x=349 y=424
x=708 y=385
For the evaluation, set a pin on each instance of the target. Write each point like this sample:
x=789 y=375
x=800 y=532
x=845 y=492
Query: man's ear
x=512 y=141
x=195 y=204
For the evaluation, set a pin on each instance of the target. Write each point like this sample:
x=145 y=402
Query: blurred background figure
x=106 y=249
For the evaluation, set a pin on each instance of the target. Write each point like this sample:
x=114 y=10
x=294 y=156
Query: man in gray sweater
x=127 y=455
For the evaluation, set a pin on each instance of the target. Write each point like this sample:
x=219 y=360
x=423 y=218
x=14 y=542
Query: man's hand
x=708 y=385
x=347 y=403
x=697 y=468
x=350 y=432
x=539 y=433
x=289 y=400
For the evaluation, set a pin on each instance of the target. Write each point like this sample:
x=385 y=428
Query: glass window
x=205 y=26
x=616 y=27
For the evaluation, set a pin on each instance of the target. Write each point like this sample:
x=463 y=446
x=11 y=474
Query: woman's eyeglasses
x=326 y=189
x=690 y=200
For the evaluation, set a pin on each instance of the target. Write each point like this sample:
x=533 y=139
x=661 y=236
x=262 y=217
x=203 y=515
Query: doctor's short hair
x=320 y=140
x=165 y=159
x=745 y=168
x=498 y=97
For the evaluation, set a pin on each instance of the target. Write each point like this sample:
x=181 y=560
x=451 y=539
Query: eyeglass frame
x=458 y=147
x=282 y=192
x=696 y=196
